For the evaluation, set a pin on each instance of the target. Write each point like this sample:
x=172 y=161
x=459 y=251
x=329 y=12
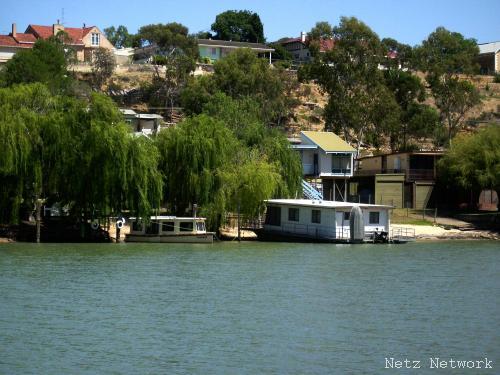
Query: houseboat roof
x=328 y=141
x=172 y=218
x=324 y=204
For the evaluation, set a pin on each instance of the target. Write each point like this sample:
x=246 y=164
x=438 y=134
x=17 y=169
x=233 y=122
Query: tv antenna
x=62 y=16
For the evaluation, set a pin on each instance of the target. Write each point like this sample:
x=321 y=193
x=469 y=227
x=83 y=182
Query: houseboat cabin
x=321 y=220
x=169 y=229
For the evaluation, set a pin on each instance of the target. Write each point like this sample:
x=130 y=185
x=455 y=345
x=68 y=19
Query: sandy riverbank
x=434 y=232
x=422 y=233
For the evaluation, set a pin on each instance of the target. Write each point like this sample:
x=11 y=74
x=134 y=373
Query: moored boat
x=169 y=229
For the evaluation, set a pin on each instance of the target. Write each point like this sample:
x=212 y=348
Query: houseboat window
x=186 y=226
x=293 y=214
x=168 y=226
x=316 y=216
x=137 y=226
x=347 y=215
x=374 y=217
x=95 y=39
x=200 y=226
x=152 y=228
x=273 y=216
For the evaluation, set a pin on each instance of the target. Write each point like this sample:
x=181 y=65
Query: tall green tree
x=444 y=56
x=416 y=119
x=242 y=74
x=239 y=26
x=45 y=63
x=178 y=51
x=359 y=105
x=119 y=37
x=473 y=161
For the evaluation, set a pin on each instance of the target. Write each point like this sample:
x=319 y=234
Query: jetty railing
x=402 y=234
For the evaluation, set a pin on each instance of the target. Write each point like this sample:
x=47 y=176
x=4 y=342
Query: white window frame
x=95 y=39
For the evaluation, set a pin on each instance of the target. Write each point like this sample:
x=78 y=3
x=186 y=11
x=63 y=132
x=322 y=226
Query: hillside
x=308 y=113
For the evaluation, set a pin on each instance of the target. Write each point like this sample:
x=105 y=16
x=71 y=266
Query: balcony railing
x=410 y=174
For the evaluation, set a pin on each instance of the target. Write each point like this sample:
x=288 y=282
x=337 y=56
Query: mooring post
x=239 y=228
x=38 y=205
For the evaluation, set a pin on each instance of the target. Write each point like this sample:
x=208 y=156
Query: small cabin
x=317 y=219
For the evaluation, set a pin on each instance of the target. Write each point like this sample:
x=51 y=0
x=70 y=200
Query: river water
x=250 y=308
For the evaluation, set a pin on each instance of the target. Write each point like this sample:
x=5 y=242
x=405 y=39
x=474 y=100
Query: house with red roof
x=299 y=47
x=84 y=40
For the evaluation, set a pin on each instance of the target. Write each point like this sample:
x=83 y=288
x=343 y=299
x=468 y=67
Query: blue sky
x=407 y=21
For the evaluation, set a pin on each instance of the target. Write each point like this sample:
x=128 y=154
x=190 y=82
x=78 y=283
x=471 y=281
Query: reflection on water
x=245 y=308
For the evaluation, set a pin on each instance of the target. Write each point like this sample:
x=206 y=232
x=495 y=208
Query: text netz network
x=437 y=362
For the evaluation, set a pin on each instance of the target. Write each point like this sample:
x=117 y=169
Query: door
x=315 y=165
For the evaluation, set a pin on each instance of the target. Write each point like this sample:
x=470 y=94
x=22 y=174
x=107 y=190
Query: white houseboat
x=329 y=221
x=170 y=229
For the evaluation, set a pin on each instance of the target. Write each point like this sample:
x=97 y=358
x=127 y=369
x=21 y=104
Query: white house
x=326 y=156
x=489 y=57
x=142 y=123
x=322 y=220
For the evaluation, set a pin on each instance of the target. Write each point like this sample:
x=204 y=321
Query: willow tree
x=244 y=118
x=473 y=161
x=191 y=155
x=80 y=154
x=359 y=105
x=204 y=163
x=116 y=170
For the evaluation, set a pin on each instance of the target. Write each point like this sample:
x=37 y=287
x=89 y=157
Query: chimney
x=14 y=30
x=302 y=36
x=57 y=27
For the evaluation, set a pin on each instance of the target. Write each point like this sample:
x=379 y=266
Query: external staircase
x=310 y=192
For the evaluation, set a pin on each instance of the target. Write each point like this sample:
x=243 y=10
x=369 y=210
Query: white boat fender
x=95 y=225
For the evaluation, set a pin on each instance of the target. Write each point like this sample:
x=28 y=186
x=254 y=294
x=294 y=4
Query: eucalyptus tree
x=444 y=56
x=359 y=104
x=177 y=51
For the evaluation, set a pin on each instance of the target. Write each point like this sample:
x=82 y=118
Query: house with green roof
x=327 y=157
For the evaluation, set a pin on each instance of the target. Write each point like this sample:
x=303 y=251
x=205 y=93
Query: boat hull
x=185 y=238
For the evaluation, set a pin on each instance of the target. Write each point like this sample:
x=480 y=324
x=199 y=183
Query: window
x=214 y=51
x=95 y=39
x=316 y=216
x=374 y=217
x=200 y=226
x=152 y=228
x=186 y=226
x=273 y=216
x=347 y=215
x=341 y=163
x=168 y=226
x=293 y=214
x=137 y=226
